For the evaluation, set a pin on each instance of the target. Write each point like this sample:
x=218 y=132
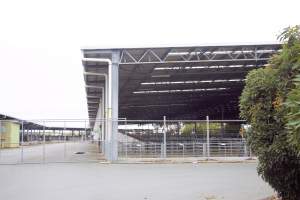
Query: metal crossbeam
x=181 y=55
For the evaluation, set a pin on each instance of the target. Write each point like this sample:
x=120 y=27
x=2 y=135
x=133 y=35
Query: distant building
x=9 y=134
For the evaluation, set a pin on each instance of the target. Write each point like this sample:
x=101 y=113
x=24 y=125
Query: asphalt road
x=93 y=181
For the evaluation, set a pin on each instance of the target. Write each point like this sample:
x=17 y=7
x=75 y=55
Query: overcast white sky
x=40 y=68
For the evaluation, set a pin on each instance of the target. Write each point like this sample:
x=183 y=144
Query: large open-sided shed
x=177 y=82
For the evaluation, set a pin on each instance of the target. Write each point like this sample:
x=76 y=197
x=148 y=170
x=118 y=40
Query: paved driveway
x=93 y=181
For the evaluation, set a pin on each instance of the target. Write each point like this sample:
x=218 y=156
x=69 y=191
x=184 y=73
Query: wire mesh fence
x=43 y=141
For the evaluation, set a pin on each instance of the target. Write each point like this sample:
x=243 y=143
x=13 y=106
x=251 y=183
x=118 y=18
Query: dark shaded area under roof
x=178 y=82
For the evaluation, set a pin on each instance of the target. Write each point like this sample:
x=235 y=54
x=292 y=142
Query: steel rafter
x=181 y=55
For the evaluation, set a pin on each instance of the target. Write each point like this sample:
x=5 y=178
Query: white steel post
x=64 y=134
x=193 y=148
x=245 y=148
x=126 y=142
x=207 y=137
x=1 y=138
x=112 y=85
x=165 y=139
x=114 y=104
x=22 y=143
x=82 y=138
x=203 y=149
x=44 y=143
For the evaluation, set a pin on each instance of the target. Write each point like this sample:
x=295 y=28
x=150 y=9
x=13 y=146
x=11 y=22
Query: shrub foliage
x=270 y=102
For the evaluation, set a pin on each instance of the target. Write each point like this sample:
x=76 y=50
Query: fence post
x=44 y=143
x=165 y=139
x=207 y=137
x=126 y=142
x=64 y=134
x=140 y=150
x=22 y=143
x=245 y=148
x=1 y=138
x=193 y=148
x=231 y=149
x=82 y=138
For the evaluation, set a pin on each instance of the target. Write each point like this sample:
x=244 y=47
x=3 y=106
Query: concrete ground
x=94 y=181
x=52 y=152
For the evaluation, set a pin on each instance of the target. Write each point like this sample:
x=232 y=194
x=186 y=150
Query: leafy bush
x=293 y=117
x=270 y=103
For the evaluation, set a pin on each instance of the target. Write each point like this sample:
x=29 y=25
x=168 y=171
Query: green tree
x=189 y=128
x=270 y=103
x=293 y=117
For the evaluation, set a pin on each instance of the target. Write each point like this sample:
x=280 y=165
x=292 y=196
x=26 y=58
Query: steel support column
x=114 y=104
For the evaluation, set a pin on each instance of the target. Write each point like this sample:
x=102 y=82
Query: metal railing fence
x=42 y=141
x=233 y=148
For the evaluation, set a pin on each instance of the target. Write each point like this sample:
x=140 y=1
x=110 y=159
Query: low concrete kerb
x=183 y=160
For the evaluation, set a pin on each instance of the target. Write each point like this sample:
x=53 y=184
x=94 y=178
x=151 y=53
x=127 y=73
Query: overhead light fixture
x=161 y=76
x=176 y=91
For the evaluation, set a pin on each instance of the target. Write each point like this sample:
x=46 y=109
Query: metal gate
x=47 y=141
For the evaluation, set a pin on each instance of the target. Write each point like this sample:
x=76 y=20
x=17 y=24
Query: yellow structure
x=9 y=134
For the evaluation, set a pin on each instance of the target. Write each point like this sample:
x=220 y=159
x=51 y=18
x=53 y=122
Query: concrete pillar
x=113 y=113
